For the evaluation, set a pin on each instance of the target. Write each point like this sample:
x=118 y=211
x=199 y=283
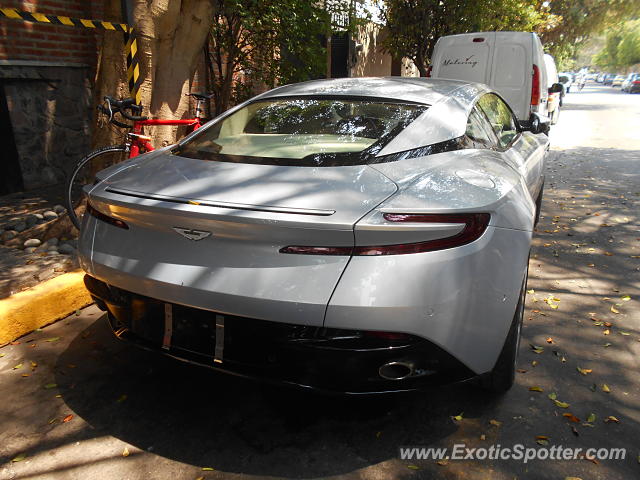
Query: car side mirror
x=536 y=124
x=556 y=88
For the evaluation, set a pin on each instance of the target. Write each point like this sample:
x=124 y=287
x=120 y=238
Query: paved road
x=138 y=416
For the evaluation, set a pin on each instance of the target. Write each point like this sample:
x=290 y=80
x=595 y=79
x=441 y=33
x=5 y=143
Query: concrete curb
x=41 y=305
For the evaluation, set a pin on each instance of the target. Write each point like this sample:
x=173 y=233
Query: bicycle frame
x=142 y=142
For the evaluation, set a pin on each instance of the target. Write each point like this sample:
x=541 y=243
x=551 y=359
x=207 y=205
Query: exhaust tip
x=396 y=370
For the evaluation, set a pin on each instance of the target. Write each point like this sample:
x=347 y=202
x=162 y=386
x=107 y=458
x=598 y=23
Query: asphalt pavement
x=78 y=404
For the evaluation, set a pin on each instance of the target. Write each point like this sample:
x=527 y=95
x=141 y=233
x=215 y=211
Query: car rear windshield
x=302 y=131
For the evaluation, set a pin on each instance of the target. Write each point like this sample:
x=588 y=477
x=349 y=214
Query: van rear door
x=464 y=57
x=512 y=71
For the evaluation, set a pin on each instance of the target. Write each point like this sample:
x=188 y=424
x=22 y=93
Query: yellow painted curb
x=45 y=303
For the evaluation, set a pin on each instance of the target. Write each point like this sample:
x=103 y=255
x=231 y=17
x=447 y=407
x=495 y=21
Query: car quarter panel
x=461 y=181
x=462 y=299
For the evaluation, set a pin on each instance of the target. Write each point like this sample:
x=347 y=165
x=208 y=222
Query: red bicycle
x=135 y=143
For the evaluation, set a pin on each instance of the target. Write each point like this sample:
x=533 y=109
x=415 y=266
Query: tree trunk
x=170 y=36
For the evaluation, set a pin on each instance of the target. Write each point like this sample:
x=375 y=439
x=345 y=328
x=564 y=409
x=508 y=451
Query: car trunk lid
x=245 y=213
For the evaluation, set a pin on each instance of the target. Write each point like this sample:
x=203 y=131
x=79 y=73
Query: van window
x=502 y=120
x=479 y=130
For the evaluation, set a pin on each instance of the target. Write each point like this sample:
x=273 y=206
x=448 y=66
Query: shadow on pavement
x=201 y=417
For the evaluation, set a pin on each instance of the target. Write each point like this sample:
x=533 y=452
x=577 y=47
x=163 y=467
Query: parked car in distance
x=555 y=96
x=354 y=235
x=632 y=83
x=600 y=77
x=566 y=80
x=617 y=81
x=512 y=63
x=608 y=78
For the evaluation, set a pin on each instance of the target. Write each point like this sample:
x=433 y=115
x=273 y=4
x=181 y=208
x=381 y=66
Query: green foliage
x=570 y=23
x=416 y=25
x=622 y=47
x=255 y=44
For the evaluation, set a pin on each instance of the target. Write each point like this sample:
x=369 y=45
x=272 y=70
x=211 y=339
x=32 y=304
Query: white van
x=512 y=63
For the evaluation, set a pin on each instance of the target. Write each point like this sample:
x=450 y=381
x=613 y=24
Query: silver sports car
x=354 y=235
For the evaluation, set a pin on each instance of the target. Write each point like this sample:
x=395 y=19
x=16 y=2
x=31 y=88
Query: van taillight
x=478 y=40
x=535 y=86
x=428 y=71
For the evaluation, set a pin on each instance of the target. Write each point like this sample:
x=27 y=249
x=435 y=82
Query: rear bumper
x=324 y=359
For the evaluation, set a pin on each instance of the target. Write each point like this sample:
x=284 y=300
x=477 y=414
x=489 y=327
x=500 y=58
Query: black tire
x=84 y=174
x=502 y=377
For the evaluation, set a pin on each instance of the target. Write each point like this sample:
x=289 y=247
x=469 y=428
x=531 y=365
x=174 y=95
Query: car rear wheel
x=502 y=377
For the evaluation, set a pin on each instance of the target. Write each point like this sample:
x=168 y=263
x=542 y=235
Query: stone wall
x=49 y=108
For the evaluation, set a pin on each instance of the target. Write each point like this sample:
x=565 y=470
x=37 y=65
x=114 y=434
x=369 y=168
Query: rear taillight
x=387 y=335
x=535 y=86
x=478 y=40
x=636 y=82
x=106 y=218
x=474 y=226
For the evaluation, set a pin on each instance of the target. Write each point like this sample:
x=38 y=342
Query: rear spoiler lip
x=219 y=204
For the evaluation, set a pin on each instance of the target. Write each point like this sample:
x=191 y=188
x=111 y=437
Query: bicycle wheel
x=84 y=173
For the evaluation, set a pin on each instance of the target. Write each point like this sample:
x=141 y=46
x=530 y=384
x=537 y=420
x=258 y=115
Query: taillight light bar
x=474 y=226
x=106 y=218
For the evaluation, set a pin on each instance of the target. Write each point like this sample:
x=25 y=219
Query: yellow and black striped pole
x=131 y=45
x=133 y=68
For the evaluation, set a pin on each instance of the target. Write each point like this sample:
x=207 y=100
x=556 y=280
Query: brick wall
x=50 y=43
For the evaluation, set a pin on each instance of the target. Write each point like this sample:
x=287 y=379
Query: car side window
x=502 y=120
x=479 y=130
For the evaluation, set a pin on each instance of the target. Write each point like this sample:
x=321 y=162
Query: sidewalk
x=36 y=249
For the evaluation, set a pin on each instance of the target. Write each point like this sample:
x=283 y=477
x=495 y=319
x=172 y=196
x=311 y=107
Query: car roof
x=409 y=89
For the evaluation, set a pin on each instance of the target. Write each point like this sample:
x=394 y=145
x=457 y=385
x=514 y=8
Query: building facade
x=46 y=72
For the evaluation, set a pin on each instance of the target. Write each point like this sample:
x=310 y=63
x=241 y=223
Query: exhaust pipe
x=396 y=370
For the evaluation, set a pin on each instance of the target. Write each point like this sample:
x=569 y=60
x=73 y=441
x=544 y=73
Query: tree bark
x=170 y=36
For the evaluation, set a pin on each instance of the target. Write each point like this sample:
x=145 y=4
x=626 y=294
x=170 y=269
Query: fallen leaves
x=458 y=417
x=614 y=310
x=49 y=386
x=571 y=417
x=542 y=440
x=611 y=419
x=561 y=404
x=18 y=458
x=495 y=423
x=51 y=340
x=536 y=389
x=605 y=388
x=125 y=452
x=67 y=419
x=17 y=366
x=591 y=418
x=550 y=301
x=536 y=348
x=584 y=371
